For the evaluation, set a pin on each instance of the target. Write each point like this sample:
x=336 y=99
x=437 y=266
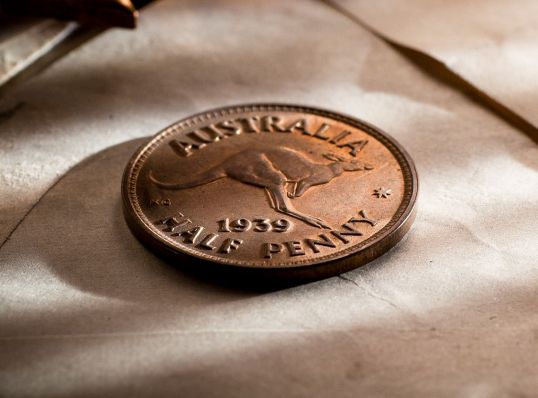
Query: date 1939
x=257 y=225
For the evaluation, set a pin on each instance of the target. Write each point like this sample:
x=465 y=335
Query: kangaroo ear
x=333 y=157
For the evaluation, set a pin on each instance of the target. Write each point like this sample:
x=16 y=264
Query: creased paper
x=491 y=44
x=86 y=310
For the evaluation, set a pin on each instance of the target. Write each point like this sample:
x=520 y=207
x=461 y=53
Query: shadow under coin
x=84 y=240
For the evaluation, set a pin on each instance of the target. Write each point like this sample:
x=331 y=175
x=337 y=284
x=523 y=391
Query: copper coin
x=285 y=189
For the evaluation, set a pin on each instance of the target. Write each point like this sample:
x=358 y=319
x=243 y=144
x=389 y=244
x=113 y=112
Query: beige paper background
x=490 y=43
x=85 y=310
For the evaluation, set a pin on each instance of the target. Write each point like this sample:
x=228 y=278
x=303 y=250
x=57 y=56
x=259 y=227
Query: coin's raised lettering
x=362 y=218
x=356 y=146
x=260 y=225
x=202 y=136
x=171 y=224
x=230 y=244
x=299 y=125
x=248 y=124
x=281 y=225
x=207 y=242
x=340 y=136
x=268 y=249
x=323 y=240
x=229 y=127
x=183 y=148
x=206 y=135
x=321 y=130
x=191 y=235
x=270 y=124
x=295 y=248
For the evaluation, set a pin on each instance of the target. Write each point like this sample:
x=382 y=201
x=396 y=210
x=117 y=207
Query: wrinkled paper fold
x=87 y=310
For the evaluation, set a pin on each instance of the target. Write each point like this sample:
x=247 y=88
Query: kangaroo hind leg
x=280 y=203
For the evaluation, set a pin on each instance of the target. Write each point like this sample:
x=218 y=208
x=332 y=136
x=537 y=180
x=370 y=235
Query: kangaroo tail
x=194 y=181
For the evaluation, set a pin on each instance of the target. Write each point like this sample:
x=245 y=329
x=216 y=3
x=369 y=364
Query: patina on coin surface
x=284 y=189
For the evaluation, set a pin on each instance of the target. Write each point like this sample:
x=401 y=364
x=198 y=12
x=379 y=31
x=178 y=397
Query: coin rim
x=385 y=238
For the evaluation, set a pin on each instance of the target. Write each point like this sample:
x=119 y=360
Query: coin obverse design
x=285 y=190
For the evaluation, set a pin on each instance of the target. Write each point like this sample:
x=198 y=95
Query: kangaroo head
x=348 y=164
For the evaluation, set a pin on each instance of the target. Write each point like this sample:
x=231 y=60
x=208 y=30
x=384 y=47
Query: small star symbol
x=382 y=192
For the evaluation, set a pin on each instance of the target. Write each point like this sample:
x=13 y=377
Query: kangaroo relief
x=283 y=173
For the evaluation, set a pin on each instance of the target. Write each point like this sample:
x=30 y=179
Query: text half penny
x=283 y=189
